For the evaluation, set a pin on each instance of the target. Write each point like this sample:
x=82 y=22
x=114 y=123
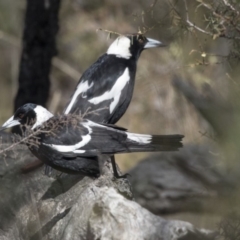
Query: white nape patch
x=42 y=115
x=140 y=138
x=120 y=47
x=71 y=148
x=81 y=88
x=114 y=93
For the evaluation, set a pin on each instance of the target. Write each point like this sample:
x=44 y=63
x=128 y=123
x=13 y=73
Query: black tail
x=155 y=143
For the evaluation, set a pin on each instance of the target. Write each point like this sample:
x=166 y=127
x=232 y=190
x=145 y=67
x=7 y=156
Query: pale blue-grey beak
x=10 y=123
x=152 y=43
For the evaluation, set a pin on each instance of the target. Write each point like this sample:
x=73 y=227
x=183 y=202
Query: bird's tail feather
x=146 y=143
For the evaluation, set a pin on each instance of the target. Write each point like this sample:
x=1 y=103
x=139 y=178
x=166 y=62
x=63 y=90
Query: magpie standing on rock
x=71 y=144
x=105 y=89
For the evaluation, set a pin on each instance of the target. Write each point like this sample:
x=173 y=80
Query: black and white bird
x=105 y=89
x=73 y=145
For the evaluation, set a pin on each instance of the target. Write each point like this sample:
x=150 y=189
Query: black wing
x=91 y=139
x=91 y=97
x=85 y=138
x=72 y=164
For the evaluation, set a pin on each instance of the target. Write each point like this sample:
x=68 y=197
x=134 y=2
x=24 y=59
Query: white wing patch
x=79 y=151
x=115 y=91
x=140 y=138
x=81 y=89
x=71 y=148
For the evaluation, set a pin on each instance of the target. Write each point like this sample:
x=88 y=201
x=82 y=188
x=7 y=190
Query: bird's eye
x=20 y=115
x=140 y=40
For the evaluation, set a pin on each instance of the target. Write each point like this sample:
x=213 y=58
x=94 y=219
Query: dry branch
x=224 y=23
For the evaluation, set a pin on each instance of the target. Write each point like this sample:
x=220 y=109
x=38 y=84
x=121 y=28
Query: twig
x=31 y=136
x=231 y=6
x=109 y=32
x=223 y=18
x=23 y=140
x=193 y=25
x=87 y=112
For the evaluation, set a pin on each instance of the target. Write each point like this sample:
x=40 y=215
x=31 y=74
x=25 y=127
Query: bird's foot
x=47 y=171
x=117 y=176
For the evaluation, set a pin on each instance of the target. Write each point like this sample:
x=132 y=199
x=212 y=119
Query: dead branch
x=30 y=137
x=193 y=25
x=224 y=22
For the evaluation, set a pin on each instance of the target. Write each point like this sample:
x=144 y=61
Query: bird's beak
x=152 y=43
x=10 y=123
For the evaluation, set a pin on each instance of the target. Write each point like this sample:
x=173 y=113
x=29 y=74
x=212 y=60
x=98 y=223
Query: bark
x=34 y=206
x=39 y=47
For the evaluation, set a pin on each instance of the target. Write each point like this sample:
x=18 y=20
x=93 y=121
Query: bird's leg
x=115 y=171
x=35 y=165
x=47 y=170
x=32 y=166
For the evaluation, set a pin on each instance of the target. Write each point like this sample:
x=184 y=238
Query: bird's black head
x=29 y=114
x=131 y=46
x=26 y=114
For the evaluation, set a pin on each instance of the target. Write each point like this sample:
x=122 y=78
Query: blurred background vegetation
x=203 y=51
x=156 y=106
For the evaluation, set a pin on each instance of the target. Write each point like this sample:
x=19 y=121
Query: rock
x=180 y=181
x=34 y=206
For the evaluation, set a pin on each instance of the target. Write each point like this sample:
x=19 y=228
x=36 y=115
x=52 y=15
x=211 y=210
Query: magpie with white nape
x=71 y=144
x=105 y=89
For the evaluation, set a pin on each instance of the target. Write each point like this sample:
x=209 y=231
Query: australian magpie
x=71 y=144
x=105 y=89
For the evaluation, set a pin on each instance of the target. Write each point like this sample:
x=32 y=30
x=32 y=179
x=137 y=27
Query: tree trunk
x=39 y=47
